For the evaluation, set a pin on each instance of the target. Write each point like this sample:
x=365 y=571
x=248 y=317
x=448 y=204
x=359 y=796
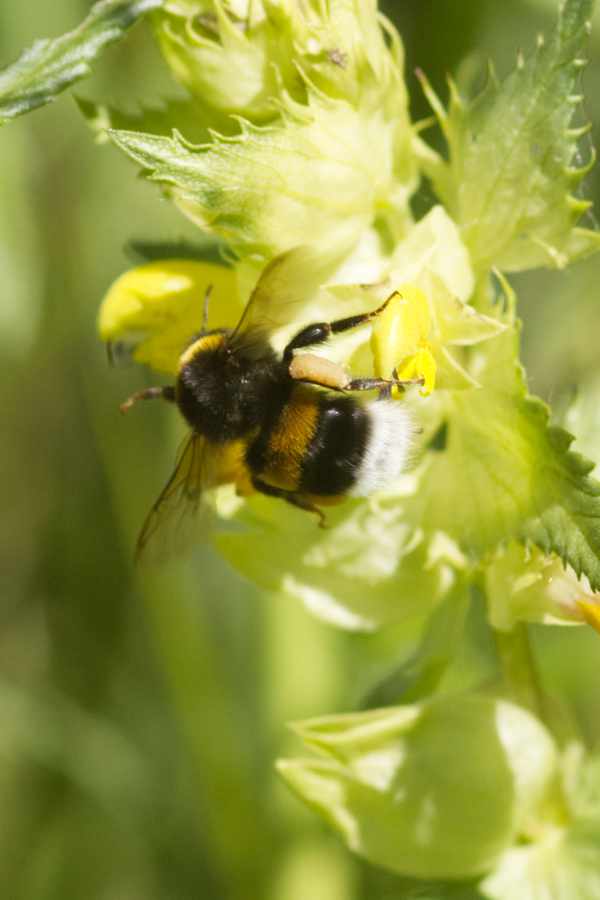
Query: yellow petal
x=400 y=330
x=426 y=369
x=156 y=308
x=420 y=365
x=590 y=610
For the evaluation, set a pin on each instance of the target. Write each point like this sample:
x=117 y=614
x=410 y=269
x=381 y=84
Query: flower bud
x=525 y=585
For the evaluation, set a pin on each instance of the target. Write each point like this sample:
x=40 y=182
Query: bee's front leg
x=151 y=393
x=319 y=332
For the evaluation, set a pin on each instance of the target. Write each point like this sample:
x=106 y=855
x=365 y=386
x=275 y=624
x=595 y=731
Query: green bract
x=240 y=58
x=319 y=175
x=440 y=789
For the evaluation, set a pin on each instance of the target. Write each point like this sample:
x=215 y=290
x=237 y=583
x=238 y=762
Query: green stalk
x=519 y=670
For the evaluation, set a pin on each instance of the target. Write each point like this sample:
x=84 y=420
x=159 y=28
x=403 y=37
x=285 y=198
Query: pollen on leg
x=318 y=370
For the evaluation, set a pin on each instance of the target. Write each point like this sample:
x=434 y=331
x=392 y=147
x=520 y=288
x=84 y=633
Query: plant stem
x=518 y=668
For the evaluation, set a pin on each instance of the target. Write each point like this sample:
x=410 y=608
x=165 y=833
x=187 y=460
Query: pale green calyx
x=240 y=58
x=394 y=782
x=562 y=862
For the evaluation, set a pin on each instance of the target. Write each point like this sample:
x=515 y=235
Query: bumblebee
x=288 y=425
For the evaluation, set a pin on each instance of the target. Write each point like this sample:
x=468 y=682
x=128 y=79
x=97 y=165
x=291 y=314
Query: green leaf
x=514 y=157
x=52 y=65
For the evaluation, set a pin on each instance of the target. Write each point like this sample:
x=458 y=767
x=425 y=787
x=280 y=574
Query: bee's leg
x=385 y=393
x=302 y=503
x=291 y=497
x=383 y=385
x=313 y=369
x=319 y=332
x=152 y=393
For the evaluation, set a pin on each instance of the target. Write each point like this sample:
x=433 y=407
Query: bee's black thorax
x=223 y=392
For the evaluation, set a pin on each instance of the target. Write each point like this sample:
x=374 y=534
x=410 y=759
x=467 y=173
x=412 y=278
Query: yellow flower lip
x=590 y=610
x=400 y=339
x=157 y=307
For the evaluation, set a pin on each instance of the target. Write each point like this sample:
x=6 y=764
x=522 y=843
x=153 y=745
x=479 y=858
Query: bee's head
x=205 y=385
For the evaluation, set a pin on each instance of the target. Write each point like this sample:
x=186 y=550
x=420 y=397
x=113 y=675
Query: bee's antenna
x=207 y=294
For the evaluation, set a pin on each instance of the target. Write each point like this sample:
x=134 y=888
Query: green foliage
x=298 y=114
x=50 y=66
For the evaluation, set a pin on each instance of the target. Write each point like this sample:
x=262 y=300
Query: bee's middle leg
x=291 y=497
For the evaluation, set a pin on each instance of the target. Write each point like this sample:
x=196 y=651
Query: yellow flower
x=400 y=339
x=156 y=308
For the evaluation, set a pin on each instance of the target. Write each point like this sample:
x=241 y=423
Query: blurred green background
x=140 y=713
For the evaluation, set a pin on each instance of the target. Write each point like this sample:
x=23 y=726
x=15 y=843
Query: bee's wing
x=287 y=282
x=174 y=513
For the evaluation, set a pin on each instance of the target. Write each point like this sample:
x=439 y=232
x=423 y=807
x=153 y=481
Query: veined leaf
x=53 y=64
x=514 y=157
